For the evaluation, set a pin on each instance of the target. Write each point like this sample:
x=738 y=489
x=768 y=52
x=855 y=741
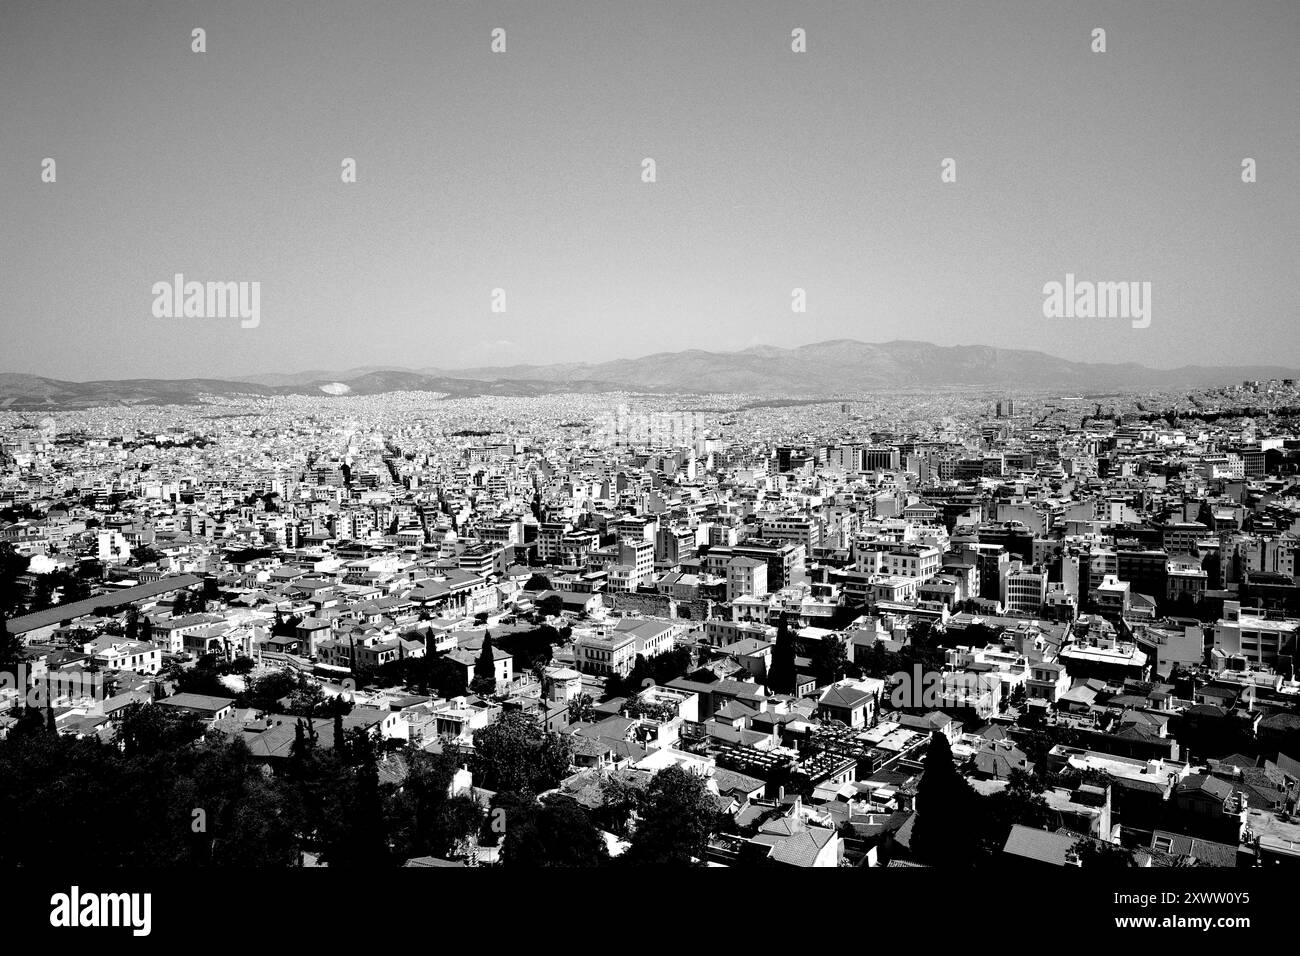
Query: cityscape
x=628 y=437
x=896 y=630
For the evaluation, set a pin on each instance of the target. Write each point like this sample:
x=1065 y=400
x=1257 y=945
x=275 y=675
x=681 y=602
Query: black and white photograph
x=649 y=439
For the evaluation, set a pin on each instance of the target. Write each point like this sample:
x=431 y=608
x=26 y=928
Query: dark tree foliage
x=354 y=828
x=174 y=799
x=659 y=669
x=530 y=649
x=517 y=755
x=485 y=681
x=678 y=815
x=13 y=593
x=446 y=676
x=558 y=832
x=882 y=663
x=1096 y=855
x=1021 y=802
x=830 y=660
x=425 y=819
x=621 y=799
x=285 y=625
x=11 y=649
x=149 y=732
x=204 y=678
x=781 y=674
x=946 y=832
x=65 y=584
x=581 y=709
x=264 y=693
x=434 y=674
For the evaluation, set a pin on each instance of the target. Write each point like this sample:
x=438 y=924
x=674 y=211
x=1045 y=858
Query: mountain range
x=833 y=369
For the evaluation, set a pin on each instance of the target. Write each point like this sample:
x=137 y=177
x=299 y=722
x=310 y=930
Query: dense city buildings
x=1093 y=613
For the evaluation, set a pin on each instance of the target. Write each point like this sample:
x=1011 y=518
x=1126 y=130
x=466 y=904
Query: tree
x=515 y=754
x=30 y=721
x=426 y=820
x=174 y=800
x=203 y=678
x=781 y=674
x=677 y=818
x=43 y=592
x=945 y=832
x=556 y=833
x=355 y=830
x=530 y=649
x=265 y=692
x=144 y=554
x=285 y=625
x=659 y=669
x=830 y=660
x=580 y=709
x=148 y=731
x=71 y=587
x=1099 y=855
x=620 y=800
x=13 y=593
x=11 y=649
x=538 y=582
x=445 y=676
x=1021 y=802
x=485 y=669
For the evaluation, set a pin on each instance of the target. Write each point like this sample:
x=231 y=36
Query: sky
x=522 y=171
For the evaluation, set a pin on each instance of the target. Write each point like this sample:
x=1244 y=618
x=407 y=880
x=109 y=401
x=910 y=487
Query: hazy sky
x=522 y=171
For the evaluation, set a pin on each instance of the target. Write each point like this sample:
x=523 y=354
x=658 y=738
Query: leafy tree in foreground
x=425 y=819
x=558 y=832
x=678 y=815
x=515 y=754
x=830 y=660
x=1096 y=855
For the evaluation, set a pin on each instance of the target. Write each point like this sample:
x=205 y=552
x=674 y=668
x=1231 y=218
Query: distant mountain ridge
x=846 y=365
x=835 y=368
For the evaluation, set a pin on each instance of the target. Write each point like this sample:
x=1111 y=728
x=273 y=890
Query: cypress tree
x=11 y=649
x=485 y=680
x=340 y=745
x=947 y=812
x=781 y=673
